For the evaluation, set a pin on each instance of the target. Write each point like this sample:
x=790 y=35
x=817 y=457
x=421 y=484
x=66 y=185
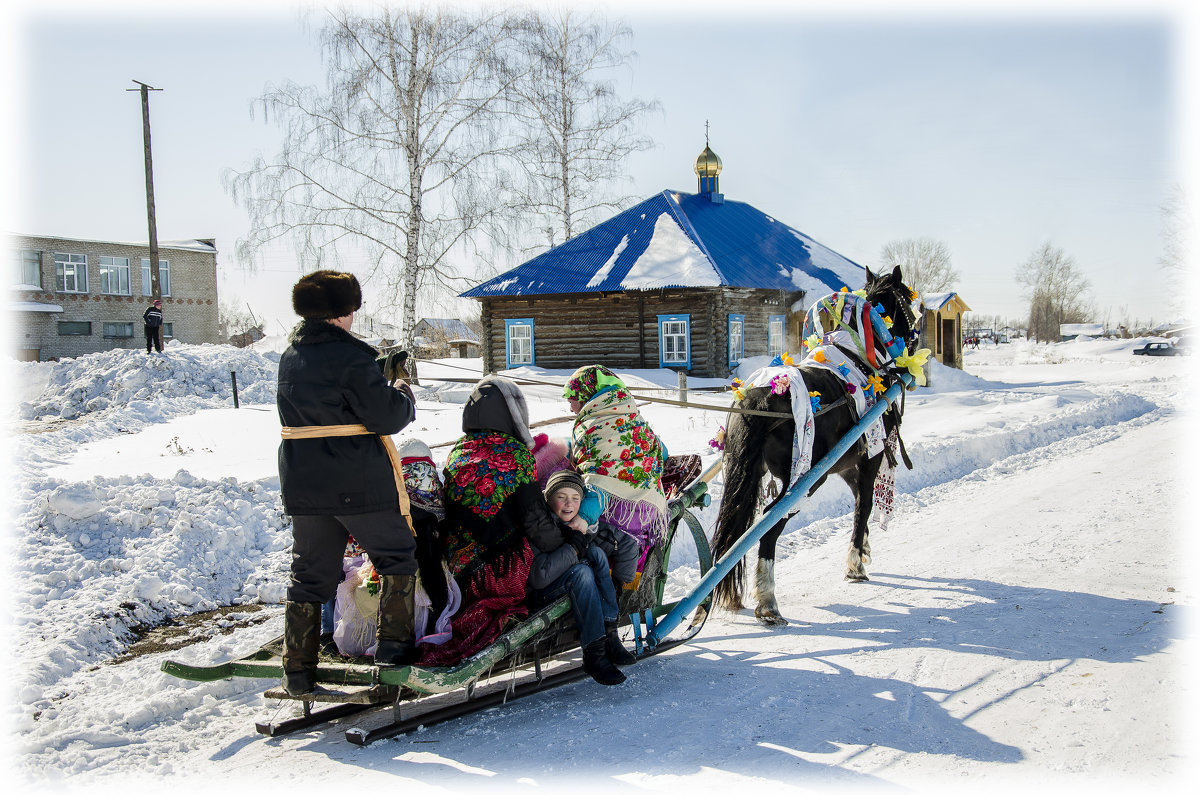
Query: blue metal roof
x=696 y=243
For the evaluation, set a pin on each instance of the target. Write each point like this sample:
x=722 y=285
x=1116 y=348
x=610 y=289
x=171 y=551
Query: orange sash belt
x=319 y=431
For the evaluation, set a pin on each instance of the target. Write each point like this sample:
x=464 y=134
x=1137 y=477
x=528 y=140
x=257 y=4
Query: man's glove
x=407 y=390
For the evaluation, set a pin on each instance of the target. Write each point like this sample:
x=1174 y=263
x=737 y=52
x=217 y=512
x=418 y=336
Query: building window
x=74 y=328
x=674 y=341
x=737 y=338
x=518 y=335
x=118 y=330
x=28 y=268
x=775 y=335
x=114 y=276
x=164 y=276
x=70 y=273
x=168 y=331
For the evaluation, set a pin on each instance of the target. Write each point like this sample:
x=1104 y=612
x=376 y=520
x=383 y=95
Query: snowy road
x=1025 y=624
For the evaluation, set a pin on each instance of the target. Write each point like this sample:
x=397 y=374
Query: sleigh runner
x=539 y=653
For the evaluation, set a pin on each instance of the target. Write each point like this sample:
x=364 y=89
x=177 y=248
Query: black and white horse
x=755 y=444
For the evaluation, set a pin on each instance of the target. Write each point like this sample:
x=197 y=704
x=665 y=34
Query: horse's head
x=893 y=298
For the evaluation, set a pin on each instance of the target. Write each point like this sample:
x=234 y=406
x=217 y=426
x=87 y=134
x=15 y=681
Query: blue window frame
x=675 y=341
x=518 y=342
x=737 y=338
x=775 y=335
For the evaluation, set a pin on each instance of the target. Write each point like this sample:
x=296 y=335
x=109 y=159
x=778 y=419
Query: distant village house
x=72 y=297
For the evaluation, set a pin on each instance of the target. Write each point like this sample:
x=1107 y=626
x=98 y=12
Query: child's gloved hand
x=592 y=506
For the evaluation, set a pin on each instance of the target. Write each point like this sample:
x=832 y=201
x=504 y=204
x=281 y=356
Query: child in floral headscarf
x=617 y=452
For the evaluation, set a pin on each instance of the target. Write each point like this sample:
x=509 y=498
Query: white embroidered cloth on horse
x=802 y=441
x=841 y=365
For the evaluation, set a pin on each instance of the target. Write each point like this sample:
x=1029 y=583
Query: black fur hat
x=321 y=295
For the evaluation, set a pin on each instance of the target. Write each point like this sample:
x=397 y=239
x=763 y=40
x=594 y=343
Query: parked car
x=1157 y=349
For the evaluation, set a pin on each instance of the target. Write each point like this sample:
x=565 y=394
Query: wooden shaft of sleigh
x=781 y=510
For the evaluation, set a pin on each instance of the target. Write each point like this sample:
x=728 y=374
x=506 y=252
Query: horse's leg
x=767 y=610
x=862 y=483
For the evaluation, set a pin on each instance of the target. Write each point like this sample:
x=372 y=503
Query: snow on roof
x=206 y=245
x=671 y=259
x=450 y=327
x=1090 y=329
x=680 y=240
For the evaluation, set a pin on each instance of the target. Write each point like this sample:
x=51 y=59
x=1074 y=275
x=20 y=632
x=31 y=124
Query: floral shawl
x=616 y=452
x=484 y=468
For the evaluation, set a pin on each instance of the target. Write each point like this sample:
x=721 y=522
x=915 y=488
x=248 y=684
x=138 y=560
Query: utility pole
x=155 y=287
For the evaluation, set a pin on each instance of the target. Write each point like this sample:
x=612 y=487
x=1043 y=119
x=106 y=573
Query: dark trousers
x=593 y=596
x=319 y=544
x=153 y=338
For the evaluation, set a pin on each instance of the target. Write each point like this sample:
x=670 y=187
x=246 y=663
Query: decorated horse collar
x=871 y=332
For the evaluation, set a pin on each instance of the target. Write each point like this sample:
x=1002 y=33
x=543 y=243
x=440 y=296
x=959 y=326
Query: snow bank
x=181 y=380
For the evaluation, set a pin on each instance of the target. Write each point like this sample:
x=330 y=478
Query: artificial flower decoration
x=819 y=356
x=844 y=289
x=876 y=384
x=913 y=294
x=777 y=361
x=738 y=392
x=779 y=384
x=718 y=442
x=850 y=388
x=861 y=293
x=812 y=342
x=844 y=369
x=787 y=359
x=887 y=320
x=814 y=398
x=914 y=364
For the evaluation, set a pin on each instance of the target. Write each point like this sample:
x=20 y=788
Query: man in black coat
x=334 y=486
x=152 y=318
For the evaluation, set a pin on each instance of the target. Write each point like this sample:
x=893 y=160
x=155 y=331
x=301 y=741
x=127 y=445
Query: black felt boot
x=596 y=664
x=613 y=648
x=397 y=639
x=301 y=640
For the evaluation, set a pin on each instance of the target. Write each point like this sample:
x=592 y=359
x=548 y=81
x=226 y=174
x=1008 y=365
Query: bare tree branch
x=399 y=155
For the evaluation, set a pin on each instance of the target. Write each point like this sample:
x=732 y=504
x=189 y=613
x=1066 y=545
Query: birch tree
x=395 y=157
x=1057 y=291
x=574 y=132
x=925 y=263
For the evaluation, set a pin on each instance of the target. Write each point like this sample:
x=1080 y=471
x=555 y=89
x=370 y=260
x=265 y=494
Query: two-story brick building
x=72 y=297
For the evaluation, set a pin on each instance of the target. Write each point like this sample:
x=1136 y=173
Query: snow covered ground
x=1027 y=621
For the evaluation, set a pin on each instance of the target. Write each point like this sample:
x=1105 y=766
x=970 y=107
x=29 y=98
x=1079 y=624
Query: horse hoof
x=770 y=619
x=857 y=578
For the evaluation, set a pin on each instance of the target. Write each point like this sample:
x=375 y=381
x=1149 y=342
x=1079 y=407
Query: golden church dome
x=708 y=164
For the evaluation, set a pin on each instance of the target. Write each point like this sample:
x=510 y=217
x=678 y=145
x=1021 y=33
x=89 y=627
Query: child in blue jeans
x=579 y=568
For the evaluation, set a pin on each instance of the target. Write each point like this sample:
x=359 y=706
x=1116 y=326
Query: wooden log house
x=684 y=281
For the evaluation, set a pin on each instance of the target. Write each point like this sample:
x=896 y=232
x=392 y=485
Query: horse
x=755 y=443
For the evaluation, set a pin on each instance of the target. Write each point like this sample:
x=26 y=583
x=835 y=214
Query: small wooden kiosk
x=942 y=333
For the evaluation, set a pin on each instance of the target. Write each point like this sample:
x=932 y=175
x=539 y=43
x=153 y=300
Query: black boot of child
x=596 y=664
x=613 y=648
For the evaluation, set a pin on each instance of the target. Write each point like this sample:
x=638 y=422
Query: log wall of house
x=620 y=330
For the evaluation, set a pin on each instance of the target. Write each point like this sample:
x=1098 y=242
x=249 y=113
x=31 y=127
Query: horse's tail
x=743 y=468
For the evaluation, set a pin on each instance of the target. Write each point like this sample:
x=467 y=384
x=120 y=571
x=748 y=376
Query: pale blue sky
x=992 y=132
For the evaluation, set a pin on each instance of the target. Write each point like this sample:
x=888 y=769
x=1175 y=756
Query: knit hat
x=322 y=295
x=550 y=455
x=564 y=479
